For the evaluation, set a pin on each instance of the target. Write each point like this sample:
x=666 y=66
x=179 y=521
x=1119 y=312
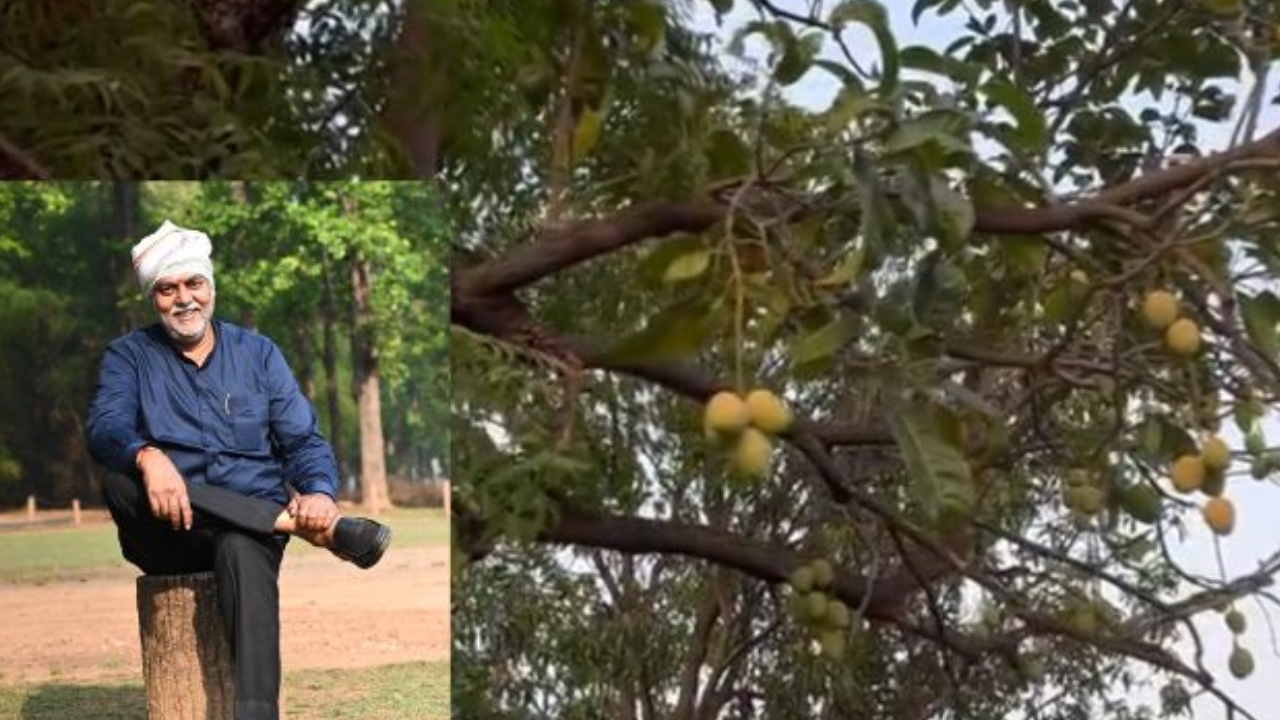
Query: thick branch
x=564 y=247
x=561 y=248
x=409 y=114
x=773 y=564
x=17 y=164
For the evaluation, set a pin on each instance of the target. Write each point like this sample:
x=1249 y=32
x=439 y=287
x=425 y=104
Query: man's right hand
x=166 y=491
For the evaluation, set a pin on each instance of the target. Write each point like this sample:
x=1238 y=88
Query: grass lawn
x=44 y=555
x=412 y=691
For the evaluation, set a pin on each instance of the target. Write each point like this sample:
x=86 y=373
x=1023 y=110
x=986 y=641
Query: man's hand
x=166 y=490
x=314 y=512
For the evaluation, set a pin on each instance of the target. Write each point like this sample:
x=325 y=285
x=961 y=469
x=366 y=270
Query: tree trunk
x=186 y=660
x=411 y=114
x=126 y=206
x=364 y=360
x=330 y=352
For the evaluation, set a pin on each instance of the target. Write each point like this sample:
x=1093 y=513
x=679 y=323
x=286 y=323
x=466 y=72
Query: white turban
x=169 y=251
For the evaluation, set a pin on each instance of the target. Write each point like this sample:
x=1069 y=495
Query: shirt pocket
x=249 y=420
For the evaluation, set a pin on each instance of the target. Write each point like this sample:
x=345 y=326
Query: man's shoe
x=360 y=541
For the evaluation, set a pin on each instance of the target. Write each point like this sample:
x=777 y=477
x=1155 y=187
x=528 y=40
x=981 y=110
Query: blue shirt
x=239 y=422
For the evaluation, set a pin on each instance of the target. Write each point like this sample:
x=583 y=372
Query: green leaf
x=1032 y=134
x=1261 y=315
x=653 y=267
x=723 y=7
x=846 y=272
x=850 y=105
x=797 y=58
x=873 y=15
x=955 y=212
x=688 y=266
x=939 y=474
x=1023 y=255
x=587 y=132
x=939 y=128
x=649 y=21
x=825 y=341
x=676 y=331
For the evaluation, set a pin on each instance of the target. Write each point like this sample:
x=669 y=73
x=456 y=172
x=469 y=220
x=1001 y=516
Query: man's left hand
x=314 y=512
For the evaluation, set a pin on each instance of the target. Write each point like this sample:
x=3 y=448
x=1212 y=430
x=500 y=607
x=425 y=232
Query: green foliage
x=868 y=251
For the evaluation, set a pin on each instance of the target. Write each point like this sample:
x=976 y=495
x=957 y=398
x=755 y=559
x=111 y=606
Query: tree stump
x=186 y=660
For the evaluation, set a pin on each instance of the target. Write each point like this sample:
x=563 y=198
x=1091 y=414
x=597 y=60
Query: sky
x=1257 y=535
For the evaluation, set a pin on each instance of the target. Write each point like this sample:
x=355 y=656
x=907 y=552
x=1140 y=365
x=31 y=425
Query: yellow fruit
x=1188 y=473
x=1159 y=309
x=1216 y=453
x=751 y=454
x=768 y=412
x=1220 y=514
x=1183 y=337
x=726 y=413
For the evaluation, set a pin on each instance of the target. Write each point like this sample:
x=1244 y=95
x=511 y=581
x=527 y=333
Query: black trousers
x=233 y=536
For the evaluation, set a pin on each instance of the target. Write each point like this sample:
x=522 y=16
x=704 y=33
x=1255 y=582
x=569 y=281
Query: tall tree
x=952 y=272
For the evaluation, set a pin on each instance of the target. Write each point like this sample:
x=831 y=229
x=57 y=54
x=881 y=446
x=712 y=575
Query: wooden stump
x=186 y=660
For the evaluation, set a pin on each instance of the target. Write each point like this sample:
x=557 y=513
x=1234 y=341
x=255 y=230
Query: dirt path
x=333 y=615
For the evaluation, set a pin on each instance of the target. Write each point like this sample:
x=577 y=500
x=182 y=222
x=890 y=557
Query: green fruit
x=1030 y=669
x=837 y=614
x=833 y=644
x=1142 y=502
x=1084 y=620
x=1215 y=483
x=816 y=605
x=1259 y=469
x=1087 y=500
x=823 y=574
x=1077 y=477
x=802 y=579
x=798 y=606
x=1254 y=442
x=1222 y=7
x=1241 y=663
x=1235 y=621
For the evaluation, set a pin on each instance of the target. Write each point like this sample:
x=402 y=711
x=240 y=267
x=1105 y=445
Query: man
x=205 y=431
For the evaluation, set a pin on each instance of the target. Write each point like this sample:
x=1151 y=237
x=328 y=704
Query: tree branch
x=563 y=247
x=18 y=164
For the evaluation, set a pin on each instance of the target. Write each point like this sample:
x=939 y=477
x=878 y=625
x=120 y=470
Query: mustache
x=183 y=308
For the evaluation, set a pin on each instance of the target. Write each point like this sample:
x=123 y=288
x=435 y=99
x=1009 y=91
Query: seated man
x=205 y=430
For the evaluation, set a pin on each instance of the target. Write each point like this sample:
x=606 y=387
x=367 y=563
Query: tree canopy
x=1016 y=286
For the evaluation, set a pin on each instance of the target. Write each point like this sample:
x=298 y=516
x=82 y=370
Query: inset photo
x=224 y=450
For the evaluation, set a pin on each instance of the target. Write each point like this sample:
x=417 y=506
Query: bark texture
x=186 y=659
